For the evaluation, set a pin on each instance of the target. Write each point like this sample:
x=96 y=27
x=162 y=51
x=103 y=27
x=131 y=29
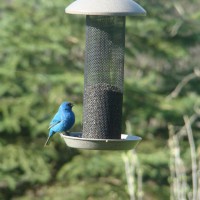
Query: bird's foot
x=67 y=133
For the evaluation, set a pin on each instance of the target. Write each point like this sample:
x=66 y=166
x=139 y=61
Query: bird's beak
x=71 y=105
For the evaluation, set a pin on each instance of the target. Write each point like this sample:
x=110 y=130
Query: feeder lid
x=105 y=7
x=75 y=140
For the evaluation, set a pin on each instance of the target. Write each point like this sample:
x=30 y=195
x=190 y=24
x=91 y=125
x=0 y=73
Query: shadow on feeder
x=103 y=74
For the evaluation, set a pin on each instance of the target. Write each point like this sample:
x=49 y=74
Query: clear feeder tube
x=103 y=77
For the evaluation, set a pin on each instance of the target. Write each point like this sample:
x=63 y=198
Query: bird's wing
x=57 y=127
x=53 y=124
x=56 y=119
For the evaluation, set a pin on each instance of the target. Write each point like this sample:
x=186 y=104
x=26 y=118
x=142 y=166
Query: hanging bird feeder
x=103 y=74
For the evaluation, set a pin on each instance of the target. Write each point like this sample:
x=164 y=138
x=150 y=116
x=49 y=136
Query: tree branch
x=193 y=157
x=184 y=81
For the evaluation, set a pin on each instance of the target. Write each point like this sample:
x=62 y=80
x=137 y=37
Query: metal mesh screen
x=104 y=73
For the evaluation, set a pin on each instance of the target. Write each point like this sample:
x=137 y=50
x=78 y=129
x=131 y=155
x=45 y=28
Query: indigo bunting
x=62 y=121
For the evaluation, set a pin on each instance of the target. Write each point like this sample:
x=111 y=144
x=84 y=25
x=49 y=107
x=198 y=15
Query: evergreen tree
x=42 y=64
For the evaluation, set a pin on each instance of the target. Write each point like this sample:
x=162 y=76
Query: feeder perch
x=103 y=74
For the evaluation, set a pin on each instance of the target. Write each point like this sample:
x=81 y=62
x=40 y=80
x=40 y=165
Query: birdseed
x=102 y=112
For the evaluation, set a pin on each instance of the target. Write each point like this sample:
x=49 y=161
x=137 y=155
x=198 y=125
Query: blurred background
x=42 y=64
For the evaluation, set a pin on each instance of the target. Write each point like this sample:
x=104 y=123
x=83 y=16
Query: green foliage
x=95 y=166
x=42 y=64
x=17 y=169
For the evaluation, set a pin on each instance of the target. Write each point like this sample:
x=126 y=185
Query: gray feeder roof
x=105 y=7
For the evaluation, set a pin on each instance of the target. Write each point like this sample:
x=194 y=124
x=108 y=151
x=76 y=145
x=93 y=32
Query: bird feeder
x=103 y=74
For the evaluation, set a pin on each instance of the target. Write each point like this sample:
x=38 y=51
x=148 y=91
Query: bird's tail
x=47 y=142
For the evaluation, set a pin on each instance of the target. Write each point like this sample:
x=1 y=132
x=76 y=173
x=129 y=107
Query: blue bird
x=62 y=121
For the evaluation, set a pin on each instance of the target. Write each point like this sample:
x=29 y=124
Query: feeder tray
x=75 y=140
